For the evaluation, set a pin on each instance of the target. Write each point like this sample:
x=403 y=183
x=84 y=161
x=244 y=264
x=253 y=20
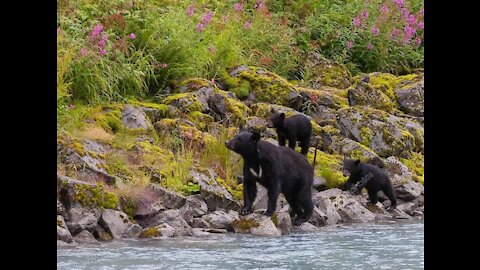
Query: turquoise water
x=363 y=246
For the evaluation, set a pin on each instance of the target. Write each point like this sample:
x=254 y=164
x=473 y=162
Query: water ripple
x=361 y=246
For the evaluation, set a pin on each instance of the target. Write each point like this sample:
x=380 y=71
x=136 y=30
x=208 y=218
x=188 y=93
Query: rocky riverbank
x=137 y=169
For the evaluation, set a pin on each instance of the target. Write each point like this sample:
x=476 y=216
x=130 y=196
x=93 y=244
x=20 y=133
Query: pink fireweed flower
x=103 y=51
x=420 y=25
x=384 y=9
x=399 y=3
x=207 y=17
x=369 y=46
x=72 y=106
x=83 y=51
x=420 y=12
x=364 y=14
x=96 y=30
x=212 y=49
x=395 y=32
x=259 y=5
x=238 y=7
x=375 y=31
x=190 y=10
x=132 y=36
x=404 y=13
x=405 y=40
x=164 y=65
x=248 y=25
x=412 y=19
x=200 y=27
x=225 y=18
x=58 y=30
x=349 y=44
x=356 y=22
x=102 y=41
x=408 y=31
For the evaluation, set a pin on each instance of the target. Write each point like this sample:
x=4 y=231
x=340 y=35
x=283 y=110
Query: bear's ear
x=282 y=116
x=357 y=162
x=241 y=127
x=255 y=136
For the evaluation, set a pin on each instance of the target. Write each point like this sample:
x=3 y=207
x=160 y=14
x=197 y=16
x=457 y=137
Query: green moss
x=274 y=219
x=268 y=86
x=200 y=120
x=241 y=88
x=78 y=147
x=386 y=82
x=150 y=232
x=416 y=165
x=244 y=224
x=95 y=196
x=329 y=129
x=366 y=135
x=60 y=223
x=186 y=102
x=329 y=167
x=262 y=110
x=116 y=165
x=162 y=108
x=109 y=117
x=129 y=205
x=234 y=189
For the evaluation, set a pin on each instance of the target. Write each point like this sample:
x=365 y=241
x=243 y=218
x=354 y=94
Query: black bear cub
x=294 y=128
x=369 y=176
x=279 y=169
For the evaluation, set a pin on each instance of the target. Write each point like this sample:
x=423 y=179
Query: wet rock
x=63 y=233
x=85 y=237
x=256 y=224
x=221 y=220
x=115 y=222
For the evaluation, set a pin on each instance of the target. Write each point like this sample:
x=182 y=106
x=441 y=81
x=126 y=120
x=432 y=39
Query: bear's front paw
x=245 y=211
x=268 y=213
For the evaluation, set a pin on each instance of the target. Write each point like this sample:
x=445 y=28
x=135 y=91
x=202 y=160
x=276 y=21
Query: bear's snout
x=229 y=144
x=346 y=173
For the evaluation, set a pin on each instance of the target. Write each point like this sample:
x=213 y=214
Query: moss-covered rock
x=186 y=102
x=325 y=96
x=416 y=165
x=266 y=86
x=256 y=224
x=363 y=94
x=179 y=129
x=323 y=72
x=153 y=111
x=410 y=98
x=375 y=129
x=192 y=85
x=87 y=194
x=329 y=167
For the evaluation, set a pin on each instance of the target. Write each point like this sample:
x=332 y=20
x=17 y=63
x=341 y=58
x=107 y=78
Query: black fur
x=283 y=171
x=294 y=128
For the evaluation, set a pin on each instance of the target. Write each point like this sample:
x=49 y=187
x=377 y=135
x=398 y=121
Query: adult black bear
x=294 y=128
x=278 y=169
x=370 y=177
